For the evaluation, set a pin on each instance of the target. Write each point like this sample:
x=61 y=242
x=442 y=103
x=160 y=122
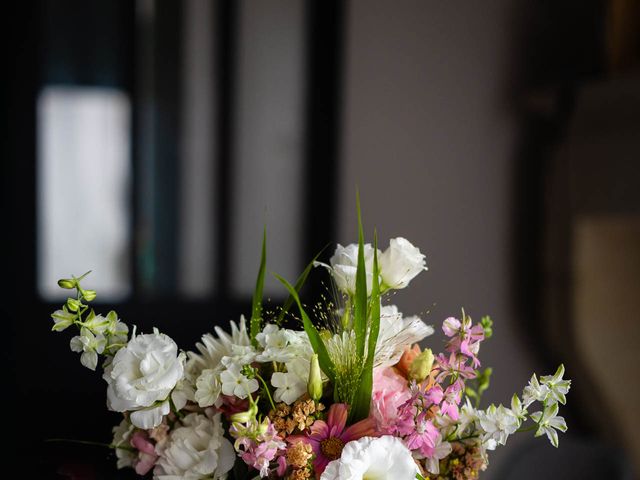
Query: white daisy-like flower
x=382 y=458
x=396 y=332
x=212 y=349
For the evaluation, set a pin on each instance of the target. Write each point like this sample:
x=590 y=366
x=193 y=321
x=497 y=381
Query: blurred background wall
x=151 y=141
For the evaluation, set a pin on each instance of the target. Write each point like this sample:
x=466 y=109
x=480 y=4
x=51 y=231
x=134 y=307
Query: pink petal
x=337 y=417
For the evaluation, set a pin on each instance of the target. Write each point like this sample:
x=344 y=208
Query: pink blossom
x=452 y=397
x=258 y=444
x=328 y=438
x=454 y=366
x=390 y=391
x=147 y=456
x=424 y=435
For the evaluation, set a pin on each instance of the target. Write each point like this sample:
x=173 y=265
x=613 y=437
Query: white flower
x=534 y=392
x=117 y=331
x=518 y=409
x=212 y=349
x=236 y=384
x=382 y=458
x=121 y=437
x=498 y=423
x=90 y=345
x=141 y=377
x=441 y=450
x=548 y=422
x=63 y=319
x=468 y=416
x=282 y=345
x=396 y=332
x=558 y=387
x=292 y=384
x=96 y=323
x=195 y=450
x=400 y=263
x=208 y=389
x=344 y=264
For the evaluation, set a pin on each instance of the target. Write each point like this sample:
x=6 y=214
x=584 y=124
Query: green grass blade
x=298 y=286
x=314 y=337
x=256 y=308
x=360 y=301
x=362 y=398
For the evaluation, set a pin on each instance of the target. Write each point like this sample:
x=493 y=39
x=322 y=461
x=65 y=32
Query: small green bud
x=67 y=283
x=89 y=295
x=73 y=304
x=263 y=426
x=421 y=366
x=244 y=417
x=314 y=384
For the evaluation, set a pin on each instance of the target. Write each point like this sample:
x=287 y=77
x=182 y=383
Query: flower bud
x=244 y=417
x=421 y=366
x=314 y=384
x=89 y=295
x=67 y=283
x=73 y=304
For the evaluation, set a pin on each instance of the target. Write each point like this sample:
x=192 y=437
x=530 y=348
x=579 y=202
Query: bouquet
x=340 y=391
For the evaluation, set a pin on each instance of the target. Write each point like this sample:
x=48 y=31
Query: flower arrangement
x=348 y=395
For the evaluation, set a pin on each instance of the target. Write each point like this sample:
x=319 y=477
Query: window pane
x=84 y=176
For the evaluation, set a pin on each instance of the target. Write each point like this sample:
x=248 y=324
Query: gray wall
x=429 y=139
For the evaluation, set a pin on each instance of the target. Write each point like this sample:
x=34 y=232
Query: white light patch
x=84 y=177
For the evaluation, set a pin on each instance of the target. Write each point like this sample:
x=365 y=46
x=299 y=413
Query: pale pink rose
x=390 y=391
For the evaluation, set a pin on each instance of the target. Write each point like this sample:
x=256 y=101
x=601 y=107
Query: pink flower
x=452 y=397
x=454 y=366
x=465 y=337
x=390 y=392
x=258 y=444
x=147 y=456
x=328 y=438
x=424 y=435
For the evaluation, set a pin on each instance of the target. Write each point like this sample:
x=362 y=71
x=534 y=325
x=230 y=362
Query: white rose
x=344 y=265
x=400 y=263
x=141 y=377
x=383 y=458
x=195 y=450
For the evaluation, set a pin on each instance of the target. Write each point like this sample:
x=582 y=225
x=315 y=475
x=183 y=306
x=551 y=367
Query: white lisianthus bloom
x=141 y=377
x=400 y=263
x=383 y=458
x=208 y=389
x=195 y=450
x=90 y=345
x=236 y=384
x=344 y=264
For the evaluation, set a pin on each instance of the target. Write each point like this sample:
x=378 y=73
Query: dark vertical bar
x=324 y=67
x=226 y=14
x=167 y=75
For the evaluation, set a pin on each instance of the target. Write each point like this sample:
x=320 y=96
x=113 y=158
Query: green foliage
x=256 y=309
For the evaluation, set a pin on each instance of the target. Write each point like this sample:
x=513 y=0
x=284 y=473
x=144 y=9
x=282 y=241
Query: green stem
x=87 y=442
x=266 y=389
x=527 y=429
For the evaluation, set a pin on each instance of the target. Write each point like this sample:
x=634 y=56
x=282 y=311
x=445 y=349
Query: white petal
x=150 y=417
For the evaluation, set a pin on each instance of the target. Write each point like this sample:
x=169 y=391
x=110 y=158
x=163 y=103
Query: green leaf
x=362 y=399
x=298 y=286
x=360 y=314
x=314 y=336
x=256 y=309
